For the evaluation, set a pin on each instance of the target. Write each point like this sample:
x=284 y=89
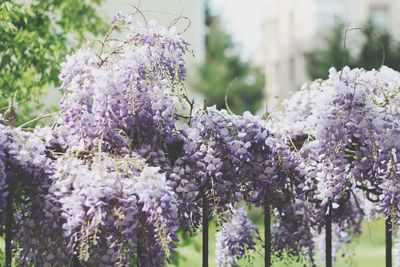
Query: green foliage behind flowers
x=223 y=69
x=5 y=16
x=35 y=36
x=369 y=49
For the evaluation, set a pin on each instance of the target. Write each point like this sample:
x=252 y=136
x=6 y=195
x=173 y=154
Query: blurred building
x=165 y=12
x=293 y=28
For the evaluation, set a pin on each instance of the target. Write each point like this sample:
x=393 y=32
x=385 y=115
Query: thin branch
x=38 y=118
x=226 y=95
x=374 y=34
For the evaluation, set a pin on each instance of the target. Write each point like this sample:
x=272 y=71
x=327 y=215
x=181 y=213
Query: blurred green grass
x=368 y=250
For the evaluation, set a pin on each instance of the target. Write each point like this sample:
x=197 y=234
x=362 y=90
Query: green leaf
x=31 y=50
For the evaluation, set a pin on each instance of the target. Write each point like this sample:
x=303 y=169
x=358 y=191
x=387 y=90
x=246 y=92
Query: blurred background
x=264 y=50
x=259 y=50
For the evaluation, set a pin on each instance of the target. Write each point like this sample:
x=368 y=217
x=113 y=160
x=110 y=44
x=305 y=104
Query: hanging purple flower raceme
x=119 y=101
x=98 y=209
x=4 y=143
x=292 y=234
x=160 y=208
x=387 y=126
x=344 y=130
x=236 y=237
x=204 y=165
x=345 y=225
x=28 y=168
x=110 y=206
x=77 y=126
x=388 y=165
x=341 y=147
x=231 y=158
x=216 y=162
x=390 y=175
x=344 y=134
x=278 y=174
x=124 y=96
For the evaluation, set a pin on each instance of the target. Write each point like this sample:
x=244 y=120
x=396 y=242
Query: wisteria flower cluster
x=122 y=97
x=91 y=189
x=231 y=158
x=129 y=162
x=115 y=178
x=3 y=177
x=26 y=169
x=344 y=129
x=292 y=232
x=235 y=239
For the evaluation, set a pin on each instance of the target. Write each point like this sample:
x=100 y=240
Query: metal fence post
x=205 y=230
x=388 y=239
x=267 y=231
x=328 y=235
x=9 y=224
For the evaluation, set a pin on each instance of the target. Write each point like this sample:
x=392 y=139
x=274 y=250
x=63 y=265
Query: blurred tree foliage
x=35 y=37
x=368 y=56
x=223 y=69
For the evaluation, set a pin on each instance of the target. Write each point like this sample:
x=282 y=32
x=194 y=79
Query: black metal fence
x=205 y=235
x=268 y=238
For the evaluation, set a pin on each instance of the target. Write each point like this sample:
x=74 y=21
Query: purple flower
x=235 y=238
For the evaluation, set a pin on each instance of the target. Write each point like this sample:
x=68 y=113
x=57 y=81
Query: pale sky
x=243 y=20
